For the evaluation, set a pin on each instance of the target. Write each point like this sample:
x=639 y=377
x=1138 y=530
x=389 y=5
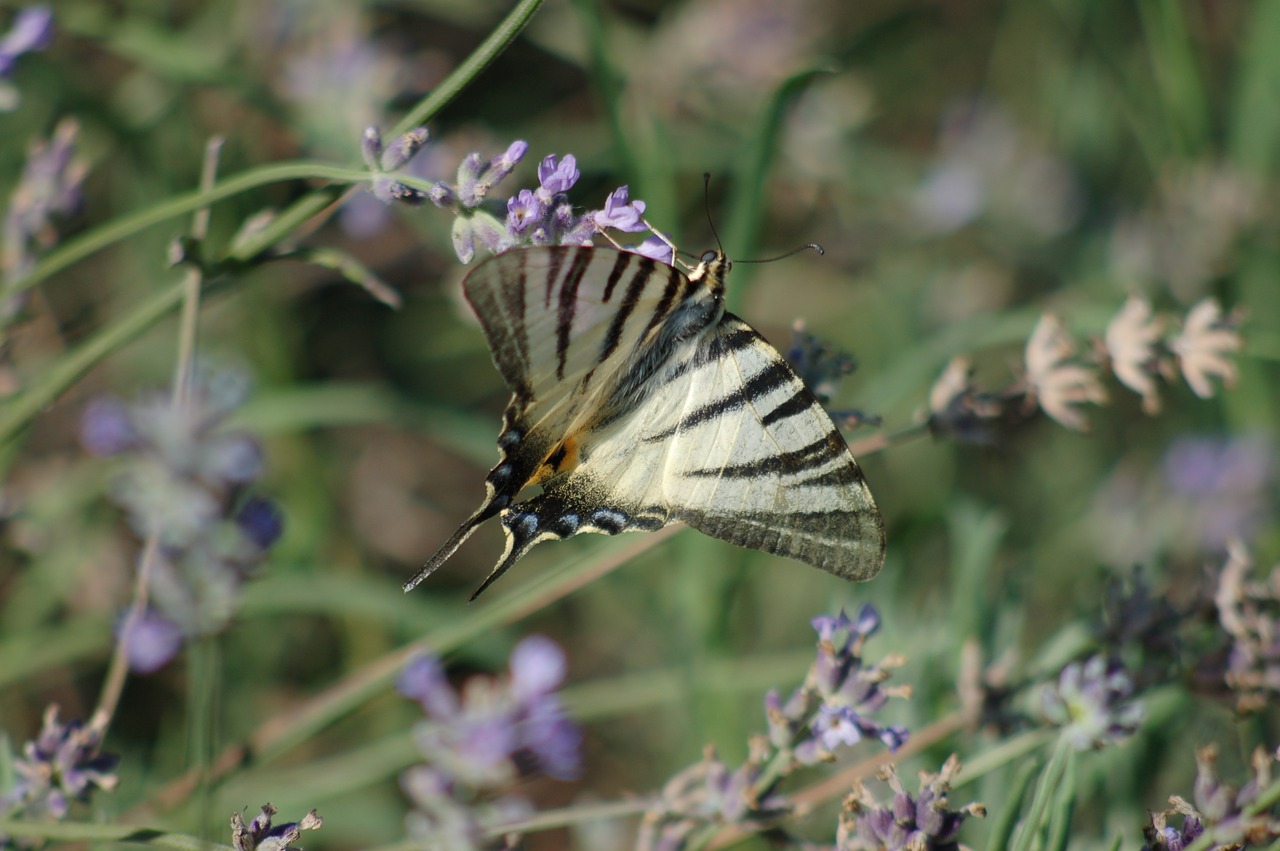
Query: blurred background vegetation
x=967 y=166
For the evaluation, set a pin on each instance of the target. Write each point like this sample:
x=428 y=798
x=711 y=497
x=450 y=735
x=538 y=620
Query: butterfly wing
x=732 y=443
x=753 y=459
x=562 y=323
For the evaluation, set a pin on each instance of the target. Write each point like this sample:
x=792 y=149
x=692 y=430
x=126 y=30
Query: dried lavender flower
x=921 y=822
x=1249 y=612
x=1202 y=347
x=1231 y=817
x=1131 y=342
x=260 y=835
x=957 y=408
x=1057 y=384
x=59 y=766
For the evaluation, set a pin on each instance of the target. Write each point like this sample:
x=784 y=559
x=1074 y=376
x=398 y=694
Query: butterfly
x=638 y=401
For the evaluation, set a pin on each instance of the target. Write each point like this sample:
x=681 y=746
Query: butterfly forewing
x=638 y=402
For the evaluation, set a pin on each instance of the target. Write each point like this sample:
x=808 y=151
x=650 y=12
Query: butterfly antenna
x=706 y=203
x=794 y=251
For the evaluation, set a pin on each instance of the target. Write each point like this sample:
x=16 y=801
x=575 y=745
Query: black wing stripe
x=799 y=402
x=620 y=264
x=553 y=275
x=674 y=279
x=569 y=306
x=763 y=382
x=809 y=457
x=629 y=300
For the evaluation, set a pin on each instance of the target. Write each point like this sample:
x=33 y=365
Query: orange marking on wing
x=562 y=459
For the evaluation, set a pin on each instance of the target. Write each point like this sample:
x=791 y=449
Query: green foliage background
x=818 y=120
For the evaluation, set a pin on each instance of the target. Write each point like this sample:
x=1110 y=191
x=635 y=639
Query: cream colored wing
x=730 y=442
x=576 y=332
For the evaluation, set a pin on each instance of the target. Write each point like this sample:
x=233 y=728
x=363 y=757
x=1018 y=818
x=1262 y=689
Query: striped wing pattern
x=638 y=402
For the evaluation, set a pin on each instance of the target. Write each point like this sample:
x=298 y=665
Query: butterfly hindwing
x=638 y=402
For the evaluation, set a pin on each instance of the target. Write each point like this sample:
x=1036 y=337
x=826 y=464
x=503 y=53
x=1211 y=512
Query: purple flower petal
x=558 y=177
x=656 y=248
x=423 y=680
x=261 y=521
x=32 y=30
x=537 y=667
x=152 y=642
x=105 y=427
x=621 y=214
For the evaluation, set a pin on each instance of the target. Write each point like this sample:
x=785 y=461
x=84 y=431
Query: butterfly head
x=712 y=269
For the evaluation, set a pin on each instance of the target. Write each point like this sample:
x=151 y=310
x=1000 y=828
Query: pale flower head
x=1203 y=345
x=1130 y=340
x=1057 y=384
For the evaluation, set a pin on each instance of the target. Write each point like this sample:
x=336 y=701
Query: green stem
x=81 y=832
x=1032 y=827
x=490 y=49
x=117 y=230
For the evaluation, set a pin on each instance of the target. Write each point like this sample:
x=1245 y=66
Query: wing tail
x=450 y=546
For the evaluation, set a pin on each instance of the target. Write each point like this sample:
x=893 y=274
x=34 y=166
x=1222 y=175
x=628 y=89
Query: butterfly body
x=638 y=401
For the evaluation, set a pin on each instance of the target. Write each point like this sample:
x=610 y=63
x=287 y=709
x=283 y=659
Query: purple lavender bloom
x=621 y=214
x=59 y=766
x=260 y=835
x=152 y=643
x=492 y=734
x=404 y=148
x=32 y=30
x=923 y=821
x=555 y=178
x=105 y=428
x=423 y=680
x=181 y=475
x=656 y=248
x=1092 y=703
x=523 y=211
x=49 y=187
x=506 y=162
x=537 y=667
x=261 y=522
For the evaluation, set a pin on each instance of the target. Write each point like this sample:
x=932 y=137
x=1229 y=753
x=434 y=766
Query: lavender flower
x=59 y=766
x=1054 y=381
x=709 y=793
x=1249 y=613
x=921 y=822
x=830 y=710
x=1092 y=703
x=959 y=409
x=260 y=835
x=49 y=187
x=541 y=216
x=835 y=704
x=621 y=214
x=182 y=476
x=384 y=162
x=485 y=738
x=1231 y=817
x=32 y=30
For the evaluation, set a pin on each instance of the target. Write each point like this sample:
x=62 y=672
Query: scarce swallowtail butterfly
x=639 y=401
